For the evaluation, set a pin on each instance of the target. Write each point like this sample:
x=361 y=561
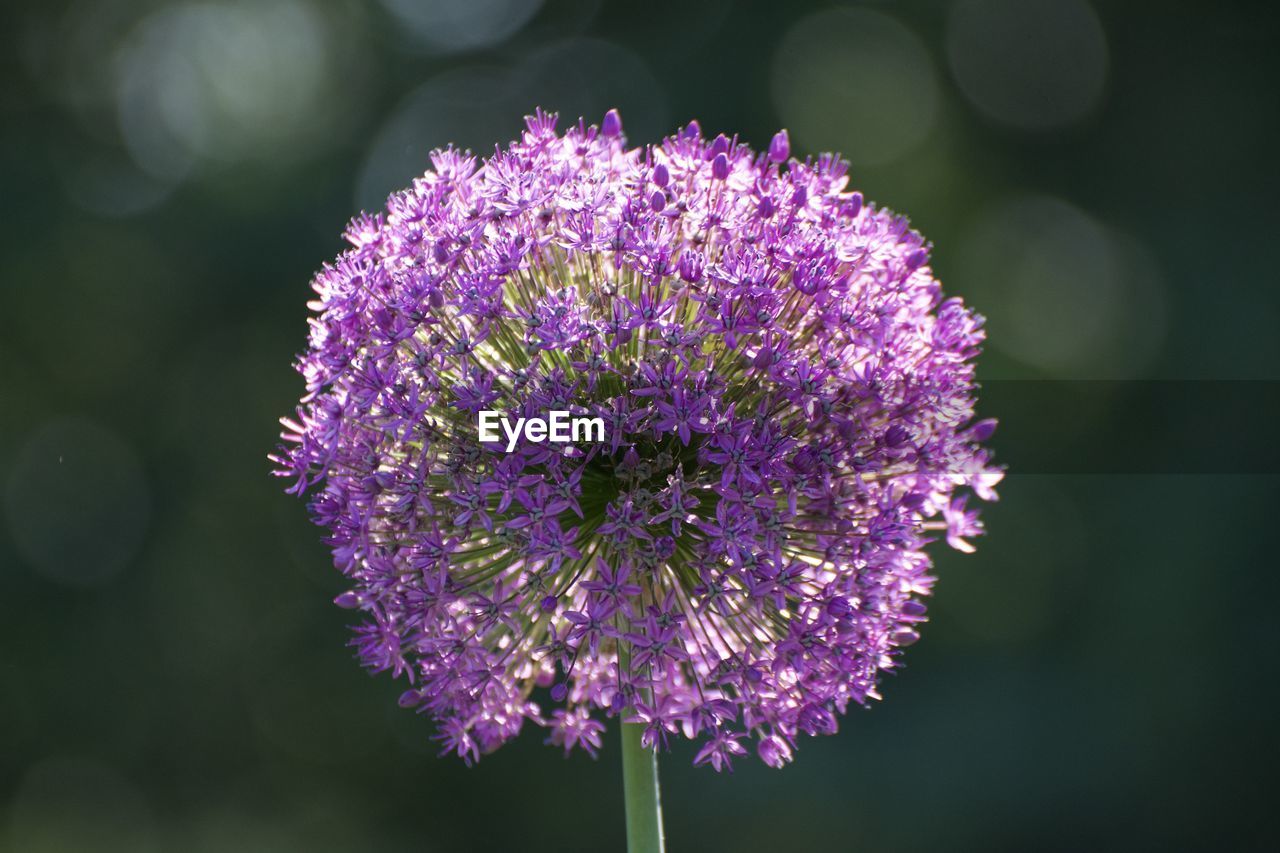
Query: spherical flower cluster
x=788 y=402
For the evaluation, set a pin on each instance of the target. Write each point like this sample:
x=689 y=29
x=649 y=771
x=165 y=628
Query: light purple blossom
x=788 y=401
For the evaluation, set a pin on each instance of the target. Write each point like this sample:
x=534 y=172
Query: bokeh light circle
x=449 y=26
x=1032 y=64
x=856 y=81
x=1062 y=292
x=222 y=82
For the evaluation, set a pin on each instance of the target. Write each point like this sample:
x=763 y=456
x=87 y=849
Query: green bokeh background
x=1100 y=180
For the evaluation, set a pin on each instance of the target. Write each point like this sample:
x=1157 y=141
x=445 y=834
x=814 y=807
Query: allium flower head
x=788 y=402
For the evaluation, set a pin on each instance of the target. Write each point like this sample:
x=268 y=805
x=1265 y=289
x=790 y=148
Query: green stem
x=640 y=789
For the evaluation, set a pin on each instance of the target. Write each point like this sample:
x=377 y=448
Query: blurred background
x=1099 y=179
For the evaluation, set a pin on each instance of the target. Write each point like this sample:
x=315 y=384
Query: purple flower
x=788 y=402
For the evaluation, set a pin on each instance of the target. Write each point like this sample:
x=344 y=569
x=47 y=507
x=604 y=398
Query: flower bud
x=612 y=124
x=779 y=147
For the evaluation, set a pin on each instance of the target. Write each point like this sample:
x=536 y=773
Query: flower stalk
x=640 y=790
